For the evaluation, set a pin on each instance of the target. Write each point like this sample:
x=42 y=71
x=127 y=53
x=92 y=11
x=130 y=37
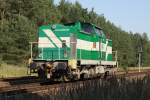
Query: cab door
x=102 y=42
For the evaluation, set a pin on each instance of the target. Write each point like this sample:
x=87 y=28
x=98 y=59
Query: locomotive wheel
x=84 y=76
x=64 y=78
x=41 y=73
x=106 y=74
x=92 y=73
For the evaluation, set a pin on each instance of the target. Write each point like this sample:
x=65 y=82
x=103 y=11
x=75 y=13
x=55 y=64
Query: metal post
x=80 y=54
x=140 y=52
x=76 y=50
x=31 y=49
x=59 y=53
x=139 y=62
x=116 y=58
x=42 y=54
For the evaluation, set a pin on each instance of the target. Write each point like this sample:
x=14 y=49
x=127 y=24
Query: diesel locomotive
x=72 y=51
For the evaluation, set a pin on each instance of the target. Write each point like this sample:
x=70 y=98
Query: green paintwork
x=64 y=31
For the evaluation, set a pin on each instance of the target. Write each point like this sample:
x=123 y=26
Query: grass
x=12 y=71
x=134 y=69
x=7 y=70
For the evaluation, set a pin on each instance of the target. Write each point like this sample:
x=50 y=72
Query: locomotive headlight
x=53 y=27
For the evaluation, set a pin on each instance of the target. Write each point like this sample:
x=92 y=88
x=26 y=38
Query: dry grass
x=12 y=71
x=137 y=68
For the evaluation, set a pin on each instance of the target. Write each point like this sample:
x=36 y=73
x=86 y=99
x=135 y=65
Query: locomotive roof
x=83 y=22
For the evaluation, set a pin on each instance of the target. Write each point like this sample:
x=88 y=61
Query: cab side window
x=87 y=28
x=98 y=31
x=63 y=43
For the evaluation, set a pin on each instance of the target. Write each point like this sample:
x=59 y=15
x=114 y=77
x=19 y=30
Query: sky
x=130 y=15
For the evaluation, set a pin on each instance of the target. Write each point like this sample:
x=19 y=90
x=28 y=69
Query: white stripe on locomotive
x=53 y=37
x=44 y=42
x=87 y=45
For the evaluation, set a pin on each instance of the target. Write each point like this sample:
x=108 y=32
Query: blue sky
x=130 y=15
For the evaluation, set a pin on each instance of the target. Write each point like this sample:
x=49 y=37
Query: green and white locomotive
x=72 y=51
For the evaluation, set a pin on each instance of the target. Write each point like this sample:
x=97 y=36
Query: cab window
x=87 y=28
x=63 y=43
x=98 y=31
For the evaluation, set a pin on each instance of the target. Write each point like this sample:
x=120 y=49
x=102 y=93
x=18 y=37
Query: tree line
x=20 y=19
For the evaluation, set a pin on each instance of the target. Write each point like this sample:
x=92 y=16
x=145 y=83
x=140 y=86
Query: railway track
x=36 y=85
x=7 y=82
x=56 y=88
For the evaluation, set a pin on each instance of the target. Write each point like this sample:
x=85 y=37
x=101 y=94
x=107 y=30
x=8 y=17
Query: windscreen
x=69 y=24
